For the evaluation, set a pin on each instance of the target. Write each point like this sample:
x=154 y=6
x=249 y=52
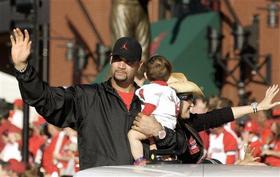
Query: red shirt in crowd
x=272 y=160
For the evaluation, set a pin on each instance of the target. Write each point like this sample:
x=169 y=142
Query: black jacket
x=187 y=128
x=95 y=111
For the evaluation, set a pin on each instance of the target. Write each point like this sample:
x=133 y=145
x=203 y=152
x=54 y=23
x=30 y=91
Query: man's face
x=123 y=70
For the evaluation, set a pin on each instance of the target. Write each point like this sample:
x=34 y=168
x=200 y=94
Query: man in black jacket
x=102 y=114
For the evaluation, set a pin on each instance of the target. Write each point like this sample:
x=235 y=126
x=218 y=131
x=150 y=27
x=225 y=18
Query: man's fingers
x=19 y=35
x=135 y=128
x=136 y=123
x=137 y=118
x=15 y=34
x=140 y=114
x=26 y=36
x=12 y=40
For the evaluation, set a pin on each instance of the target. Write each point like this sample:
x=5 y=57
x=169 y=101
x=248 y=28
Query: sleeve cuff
x=26 y=75
x=170 y=134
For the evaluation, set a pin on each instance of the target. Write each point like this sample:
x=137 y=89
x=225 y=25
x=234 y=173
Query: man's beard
x=120 y=76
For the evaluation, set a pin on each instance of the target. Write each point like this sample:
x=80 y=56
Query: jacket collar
x=108 y=86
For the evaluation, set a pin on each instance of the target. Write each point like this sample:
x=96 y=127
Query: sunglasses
x=186 y=97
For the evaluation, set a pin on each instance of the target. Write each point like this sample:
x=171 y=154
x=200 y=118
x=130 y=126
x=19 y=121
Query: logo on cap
x=125 y=46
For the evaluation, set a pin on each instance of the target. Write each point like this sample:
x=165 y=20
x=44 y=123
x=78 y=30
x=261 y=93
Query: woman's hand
x=266 y=104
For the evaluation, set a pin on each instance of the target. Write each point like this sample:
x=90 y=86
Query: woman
x=189 y=143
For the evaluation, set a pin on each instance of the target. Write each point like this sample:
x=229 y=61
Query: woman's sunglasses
x=186 y=96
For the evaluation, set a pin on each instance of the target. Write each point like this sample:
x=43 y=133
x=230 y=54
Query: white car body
x=186 y=170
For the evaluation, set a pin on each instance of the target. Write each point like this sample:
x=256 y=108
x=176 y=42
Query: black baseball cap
x=127 y=48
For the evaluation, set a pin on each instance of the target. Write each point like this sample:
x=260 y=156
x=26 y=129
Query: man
x=223 y=146
x=102 y=113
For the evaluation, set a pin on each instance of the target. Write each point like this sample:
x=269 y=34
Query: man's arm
x=149 y=126
x=56 y=104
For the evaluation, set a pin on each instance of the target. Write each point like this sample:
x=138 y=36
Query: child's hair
x=158 y=68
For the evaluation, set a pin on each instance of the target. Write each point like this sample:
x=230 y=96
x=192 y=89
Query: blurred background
x=230 y=48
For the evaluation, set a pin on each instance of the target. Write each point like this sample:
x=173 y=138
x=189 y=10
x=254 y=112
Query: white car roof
x=186 y=170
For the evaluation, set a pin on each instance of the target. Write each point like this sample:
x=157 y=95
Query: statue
x=130 y=18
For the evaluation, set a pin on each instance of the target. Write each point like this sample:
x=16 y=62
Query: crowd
x=52 y=151
x=259 y=131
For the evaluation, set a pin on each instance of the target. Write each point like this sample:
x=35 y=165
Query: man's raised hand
x=21 y=48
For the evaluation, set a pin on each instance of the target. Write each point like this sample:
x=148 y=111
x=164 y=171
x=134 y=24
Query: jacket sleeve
x=59 y=106
x=169 y=142
x=166 y=145
x=210 y=119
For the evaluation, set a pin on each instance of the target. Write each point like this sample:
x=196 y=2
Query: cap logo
x=125 y=46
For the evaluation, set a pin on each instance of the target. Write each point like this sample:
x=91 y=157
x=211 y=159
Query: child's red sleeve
x=148 y=109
